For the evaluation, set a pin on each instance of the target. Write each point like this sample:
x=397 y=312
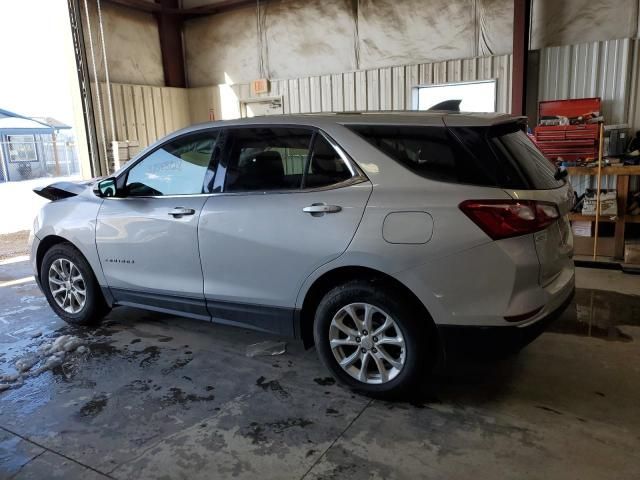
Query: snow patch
x=21 y=310
x=48 y=356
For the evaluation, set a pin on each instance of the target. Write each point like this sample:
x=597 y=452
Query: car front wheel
x=370 y=338
x=70 y=286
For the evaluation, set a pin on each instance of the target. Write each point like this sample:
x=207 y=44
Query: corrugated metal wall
x=144 y=113
x=597 y=69
x=141 y=112
x=387 y=88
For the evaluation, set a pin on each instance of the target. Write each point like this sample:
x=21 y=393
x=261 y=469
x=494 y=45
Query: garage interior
x=149 y=395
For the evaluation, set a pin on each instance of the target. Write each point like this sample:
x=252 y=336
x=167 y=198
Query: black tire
x=95 y=306
x=414 y=330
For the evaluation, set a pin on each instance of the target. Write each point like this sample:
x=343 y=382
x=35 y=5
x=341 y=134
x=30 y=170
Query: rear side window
x=326 y=167
x=262 y=159
x=474 y=156
x=281 y=158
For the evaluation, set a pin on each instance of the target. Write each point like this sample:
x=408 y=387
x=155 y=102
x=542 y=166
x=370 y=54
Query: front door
x=147 y=236
x=291 y=202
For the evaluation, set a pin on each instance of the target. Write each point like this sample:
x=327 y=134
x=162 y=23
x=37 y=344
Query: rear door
x=289 y=201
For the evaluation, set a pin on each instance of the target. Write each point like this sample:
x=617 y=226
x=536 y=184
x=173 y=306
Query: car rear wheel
x=71 y=287
x=370 y=338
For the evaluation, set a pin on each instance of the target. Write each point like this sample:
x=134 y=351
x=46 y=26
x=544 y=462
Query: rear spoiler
x=481 y=120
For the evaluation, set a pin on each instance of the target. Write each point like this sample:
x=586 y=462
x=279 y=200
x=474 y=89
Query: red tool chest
x=571 y=142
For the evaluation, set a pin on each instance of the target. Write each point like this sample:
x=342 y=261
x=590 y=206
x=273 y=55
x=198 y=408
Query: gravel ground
x=13 y=244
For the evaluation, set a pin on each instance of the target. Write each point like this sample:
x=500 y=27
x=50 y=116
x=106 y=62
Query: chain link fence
x=26 y=157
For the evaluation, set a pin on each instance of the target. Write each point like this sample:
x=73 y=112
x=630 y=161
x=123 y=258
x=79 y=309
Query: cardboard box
x=632 y=252
x=608 y=203
x=581 y=229
x=584 y=246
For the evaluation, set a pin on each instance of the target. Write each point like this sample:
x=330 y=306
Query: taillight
x=510 y=218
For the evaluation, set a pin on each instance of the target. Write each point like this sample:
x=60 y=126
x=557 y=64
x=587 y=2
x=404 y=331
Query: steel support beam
x=521 y=23
x=214 y=8
x=170 y=30
x=84 y=114
x=141 y=5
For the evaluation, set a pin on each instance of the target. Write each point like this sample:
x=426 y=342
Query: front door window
x=177 y=168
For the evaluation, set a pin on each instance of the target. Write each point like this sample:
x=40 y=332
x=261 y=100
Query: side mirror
x=106 y=188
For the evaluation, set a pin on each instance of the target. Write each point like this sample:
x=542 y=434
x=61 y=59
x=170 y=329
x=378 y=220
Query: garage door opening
x=42 y=128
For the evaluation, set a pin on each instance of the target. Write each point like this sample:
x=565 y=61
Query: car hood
x=60 y=190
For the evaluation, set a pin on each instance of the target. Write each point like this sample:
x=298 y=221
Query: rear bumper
x=462 y=341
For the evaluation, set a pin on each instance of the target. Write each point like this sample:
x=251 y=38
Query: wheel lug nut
x=363 y=350
x=374 y=350
x=357 y=339
x=365 y=333
x=375 y=339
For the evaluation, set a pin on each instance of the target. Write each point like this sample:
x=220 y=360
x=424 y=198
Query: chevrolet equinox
x=380 y=238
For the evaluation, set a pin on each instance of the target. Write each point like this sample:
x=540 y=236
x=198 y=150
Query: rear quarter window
x=515 y=147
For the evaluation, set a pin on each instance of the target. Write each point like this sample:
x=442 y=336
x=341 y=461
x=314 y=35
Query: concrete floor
x=162 y=397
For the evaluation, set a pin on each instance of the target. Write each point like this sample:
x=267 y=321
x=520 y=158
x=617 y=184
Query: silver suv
x=380 y=238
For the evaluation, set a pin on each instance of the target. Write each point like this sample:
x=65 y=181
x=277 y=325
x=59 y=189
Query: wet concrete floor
x=155 y=396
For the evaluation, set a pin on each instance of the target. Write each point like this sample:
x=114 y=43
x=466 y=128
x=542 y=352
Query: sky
x=34 y=70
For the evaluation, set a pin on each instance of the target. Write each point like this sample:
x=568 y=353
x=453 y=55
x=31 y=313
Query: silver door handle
x=180 y=211
x=321 y=208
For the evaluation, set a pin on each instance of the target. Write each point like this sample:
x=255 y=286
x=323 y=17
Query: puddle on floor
x=599 y=314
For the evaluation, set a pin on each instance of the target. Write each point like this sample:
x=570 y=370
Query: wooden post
x=595 y=240
x=622 y=192
x=55 y=153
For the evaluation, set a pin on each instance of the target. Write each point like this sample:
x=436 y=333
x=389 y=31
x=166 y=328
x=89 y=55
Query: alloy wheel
x=367 y=343
x=67 y=285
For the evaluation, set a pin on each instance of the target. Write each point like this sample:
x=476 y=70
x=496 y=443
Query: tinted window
x=515 y=147
x=326 y=167
x=496 y=157
x=177 y=168
x=261 y=159
x=431 y=152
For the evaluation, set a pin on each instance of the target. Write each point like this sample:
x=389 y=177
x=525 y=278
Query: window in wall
x=475 y=96
x=177 y=168
x=22 y=148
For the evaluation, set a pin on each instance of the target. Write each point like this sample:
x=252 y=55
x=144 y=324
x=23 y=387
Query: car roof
x=423 y=118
